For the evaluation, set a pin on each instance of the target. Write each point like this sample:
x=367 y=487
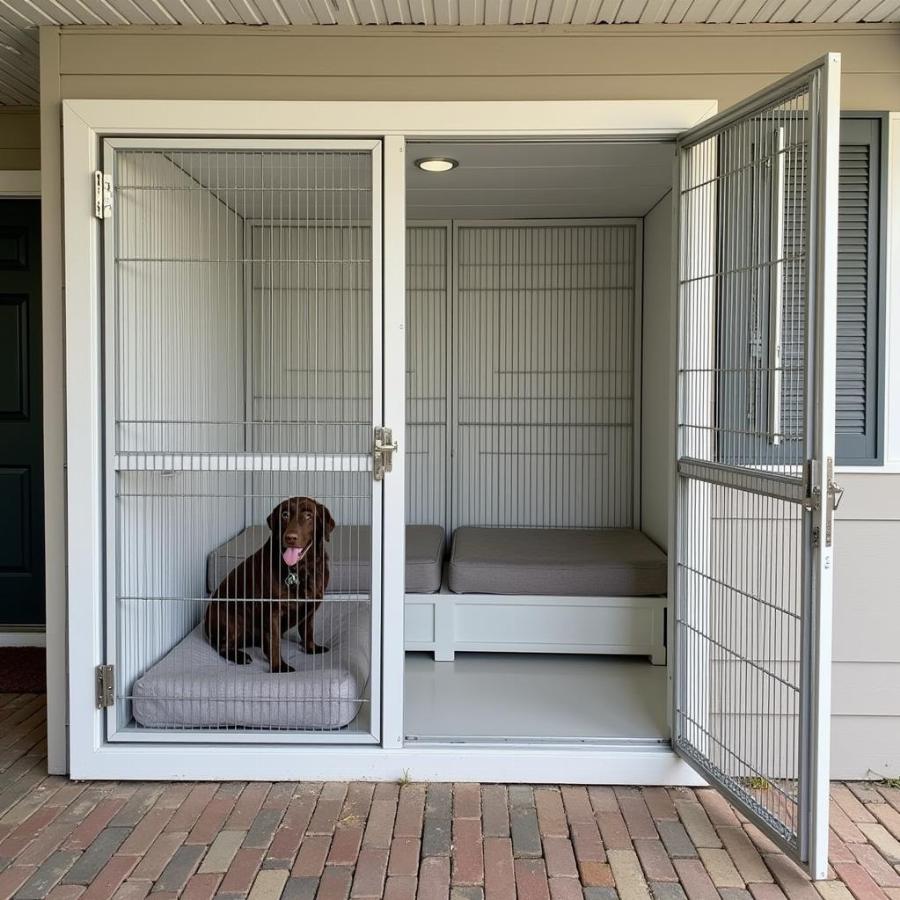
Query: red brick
x=69 y=892
x=146 y=832
x=201 y=887
x=335 y=883
x=434 y=879
x=290 y=832
x=614 y=831
x=849 y=803
x=531 y=880
x=888 y=816
x=717 y=807
x=109 y=878
x=311 y=858
x=859 y=882
x=404 y=859
x=328 y=809
x=838 y=851
x=603 y=799
x=637 y=816
x=560 y=857
x=466 y=801
x=659 y=803
x=843 y=827
x=792 y=880
x=211 y=820
x=695 y=880
x=596 y=874
x=587 y=843
x=345 y=845
x=239 y=877
x=83 y=836
x=158 y=856
x=763 y=891
x=368 y=881
x=13 y=878
x=882 y=872
x=380 y=825
x=358 y=802
x=187 y=814
x=551 y=813
x=467 y=854
x=655 y=861
x=577 y=804
x=44 y=844
x=247 y=806
x=400 y=887
x=387 y=790
x=410 y=811
x=499 y=875
x=565 y=889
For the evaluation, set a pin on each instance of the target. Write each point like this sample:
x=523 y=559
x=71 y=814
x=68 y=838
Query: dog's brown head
x=297 y=525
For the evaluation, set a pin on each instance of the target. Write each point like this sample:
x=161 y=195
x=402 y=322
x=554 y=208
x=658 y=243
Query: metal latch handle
x=383 y=456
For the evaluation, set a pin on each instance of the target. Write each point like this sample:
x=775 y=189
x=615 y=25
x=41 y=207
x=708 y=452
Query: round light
x=437 y=164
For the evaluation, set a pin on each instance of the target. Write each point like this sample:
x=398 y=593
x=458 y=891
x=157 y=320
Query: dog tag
x=291 y=579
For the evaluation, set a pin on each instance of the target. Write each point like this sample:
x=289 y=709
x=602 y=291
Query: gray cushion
x=349 y=552
x=193 y=687
x=603 y=562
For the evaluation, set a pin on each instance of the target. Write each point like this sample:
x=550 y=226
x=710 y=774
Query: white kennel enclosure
x=558 y=550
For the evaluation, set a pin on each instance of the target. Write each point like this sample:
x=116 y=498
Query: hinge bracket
x=383 y=453
x=105 y=678
x=102 y=195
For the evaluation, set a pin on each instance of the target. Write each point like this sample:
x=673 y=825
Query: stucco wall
x=625 y=62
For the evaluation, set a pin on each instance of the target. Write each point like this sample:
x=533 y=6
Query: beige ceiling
x=19 y=18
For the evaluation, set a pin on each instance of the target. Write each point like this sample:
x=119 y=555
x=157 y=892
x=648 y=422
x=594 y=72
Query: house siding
x=539 y=63
x=20 y=140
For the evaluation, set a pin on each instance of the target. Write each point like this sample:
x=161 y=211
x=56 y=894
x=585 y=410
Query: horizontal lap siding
x=627 y=62
x=20 y=140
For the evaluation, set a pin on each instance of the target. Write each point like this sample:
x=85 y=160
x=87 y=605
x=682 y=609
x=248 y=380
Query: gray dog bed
x=193 y=687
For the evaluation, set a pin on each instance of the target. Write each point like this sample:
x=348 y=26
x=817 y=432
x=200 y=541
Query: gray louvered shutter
x=858 y=341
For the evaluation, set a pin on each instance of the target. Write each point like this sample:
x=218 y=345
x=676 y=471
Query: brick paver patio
x=335 y=841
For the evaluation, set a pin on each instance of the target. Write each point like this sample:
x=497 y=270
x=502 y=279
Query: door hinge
x=383 y=454
x=102 y=195
x=106 y=686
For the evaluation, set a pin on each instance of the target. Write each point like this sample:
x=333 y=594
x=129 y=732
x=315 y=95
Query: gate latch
x=102 y=195
x=383 y=455
x=835 y=495
x=106 y=686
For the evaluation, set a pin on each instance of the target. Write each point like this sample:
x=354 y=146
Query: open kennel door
x=242 y=341
x=752 y=544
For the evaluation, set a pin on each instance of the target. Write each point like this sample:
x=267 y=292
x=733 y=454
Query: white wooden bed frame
x=445 y=623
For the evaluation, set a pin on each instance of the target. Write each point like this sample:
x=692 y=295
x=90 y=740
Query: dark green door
x=21 y=451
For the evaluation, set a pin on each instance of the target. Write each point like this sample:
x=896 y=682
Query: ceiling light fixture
x=436 y=164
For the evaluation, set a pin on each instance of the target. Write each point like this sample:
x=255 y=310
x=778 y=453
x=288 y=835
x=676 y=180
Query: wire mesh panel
x=749 y=419
x=241 y=335
x=544 y=362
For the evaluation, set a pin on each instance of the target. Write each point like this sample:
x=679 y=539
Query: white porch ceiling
x=20 y=18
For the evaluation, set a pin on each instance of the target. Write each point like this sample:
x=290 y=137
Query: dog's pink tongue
x=291 y=556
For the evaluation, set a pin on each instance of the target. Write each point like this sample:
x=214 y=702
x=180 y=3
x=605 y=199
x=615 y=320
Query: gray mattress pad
x=194 y=687
x=600 y=562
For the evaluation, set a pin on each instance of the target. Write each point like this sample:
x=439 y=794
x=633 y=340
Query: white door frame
x=85 y=122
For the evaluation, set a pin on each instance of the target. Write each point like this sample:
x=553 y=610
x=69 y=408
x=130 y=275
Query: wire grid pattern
x=543 y=375
x=427 y=355
x=742 y=582
x=238 y=374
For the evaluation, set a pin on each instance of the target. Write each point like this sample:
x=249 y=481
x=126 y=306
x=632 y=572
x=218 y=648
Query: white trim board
x=23 y=639
x=85 y=122
x=14 y=183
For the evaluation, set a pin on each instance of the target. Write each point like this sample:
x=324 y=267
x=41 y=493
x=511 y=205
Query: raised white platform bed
x=445 y=623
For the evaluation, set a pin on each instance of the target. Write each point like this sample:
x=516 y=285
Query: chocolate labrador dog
x=277 y=588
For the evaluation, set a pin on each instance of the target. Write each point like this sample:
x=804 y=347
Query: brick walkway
x=332 y=841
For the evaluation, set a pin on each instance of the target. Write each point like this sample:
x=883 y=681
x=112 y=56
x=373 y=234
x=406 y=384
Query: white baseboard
x=23 y=639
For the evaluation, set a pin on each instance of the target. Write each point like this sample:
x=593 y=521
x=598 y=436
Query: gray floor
x=518 y=696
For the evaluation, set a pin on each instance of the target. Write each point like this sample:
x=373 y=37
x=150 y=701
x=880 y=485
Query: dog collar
x=291 y=579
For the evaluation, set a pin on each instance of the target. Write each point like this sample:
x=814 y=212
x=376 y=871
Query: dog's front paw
x=283 y=667
x=315 y=648
x=241 y=658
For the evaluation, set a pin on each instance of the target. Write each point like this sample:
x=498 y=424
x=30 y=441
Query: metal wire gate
x=241 y=357
x=754 y=411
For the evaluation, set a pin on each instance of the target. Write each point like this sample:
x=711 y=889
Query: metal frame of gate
x=751 y=545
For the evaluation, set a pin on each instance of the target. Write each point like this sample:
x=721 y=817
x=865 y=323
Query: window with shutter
x=857 y=406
